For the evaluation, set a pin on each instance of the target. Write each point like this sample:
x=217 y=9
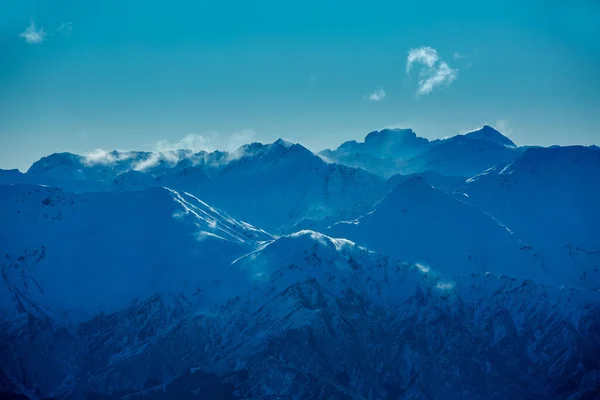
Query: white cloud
x=193 y=141
x=207 y=142
x=100 y=156
x=377 y=95
x=171 y=152
x=424 y=55
x=32 y=35
x=457 y=56
x=65 y=28
x=442 y=75
x=240 y=138
x=435 y=72
x=149 y=162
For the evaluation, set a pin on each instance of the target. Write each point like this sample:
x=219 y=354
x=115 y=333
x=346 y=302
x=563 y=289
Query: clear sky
x=82 y=75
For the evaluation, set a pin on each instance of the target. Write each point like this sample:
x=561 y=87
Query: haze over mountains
x=394 y=268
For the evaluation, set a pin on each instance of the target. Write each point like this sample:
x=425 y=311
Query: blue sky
x=78 y=76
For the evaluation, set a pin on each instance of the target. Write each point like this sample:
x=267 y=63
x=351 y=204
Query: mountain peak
x=492 y=135
x=53 y=160
x=284 y=143
x=390 y=134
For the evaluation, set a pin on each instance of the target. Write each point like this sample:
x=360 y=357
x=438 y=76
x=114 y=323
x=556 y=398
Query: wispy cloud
x=442 y=75
x=377 y=95
x=151 y=161
x=64 y=29
x=458 y=56
x=100 y=156
x=435 y=72
x=210 y=141
x=237 y=139
x=172 y=152
x=193 y=141
x=423 y=55
x=32 y=35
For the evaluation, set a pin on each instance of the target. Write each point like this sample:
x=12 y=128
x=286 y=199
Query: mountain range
x=401 y=151
x=394 y=268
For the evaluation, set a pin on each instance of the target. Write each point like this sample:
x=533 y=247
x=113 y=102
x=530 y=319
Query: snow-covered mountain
x=550 y=197
x=400 y=151
x=415 y=217
x=306 y=188
x=82 y=254
x=461 y=156
x=269 y=272
x=317 y=317
x=273 y=186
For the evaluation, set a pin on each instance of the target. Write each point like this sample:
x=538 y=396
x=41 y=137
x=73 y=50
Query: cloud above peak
x=434 y=71
x=192 y=141
x=100 y=156
x=32 y=35
x=172 y=152
x=377 y=95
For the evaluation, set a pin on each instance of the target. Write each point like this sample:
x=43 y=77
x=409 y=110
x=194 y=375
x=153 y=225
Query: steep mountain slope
x=59 y=249
x=316 y=317
x=448 y=184
x=550 y=197
x=461 y=155
x=444 y=183
x=415 y=218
